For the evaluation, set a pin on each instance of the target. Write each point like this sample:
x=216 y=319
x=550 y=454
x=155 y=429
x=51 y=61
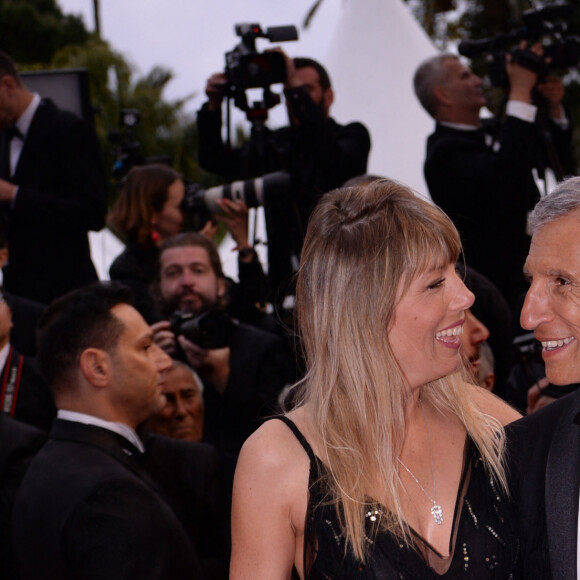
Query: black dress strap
x=298 y=435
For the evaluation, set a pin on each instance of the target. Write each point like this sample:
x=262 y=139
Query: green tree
x=164 y=130
x=32 y=31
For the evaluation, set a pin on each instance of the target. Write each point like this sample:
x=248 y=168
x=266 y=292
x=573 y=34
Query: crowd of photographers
x=234 y=350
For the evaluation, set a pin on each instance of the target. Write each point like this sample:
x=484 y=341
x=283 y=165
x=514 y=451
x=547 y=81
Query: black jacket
x=61 y=196
x=318 y=155
x=544 y=470
x=87 y=508
x=487 y=194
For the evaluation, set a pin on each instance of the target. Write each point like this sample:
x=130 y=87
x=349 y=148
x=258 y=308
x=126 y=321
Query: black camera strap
x=11 y=376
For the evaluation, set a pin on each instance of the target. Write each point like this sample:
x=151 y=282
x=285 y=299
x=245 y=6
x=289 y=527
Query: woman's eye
x=436 y=284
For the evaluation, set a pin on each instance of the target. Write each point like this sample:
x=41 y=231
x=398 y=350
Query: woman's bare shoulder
x=273 y=448
x=493 y=405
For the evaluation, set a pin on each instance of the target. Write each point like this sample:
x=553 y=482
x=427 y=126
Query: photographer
x=314 y=151
x=485 y=182
x=243 y=368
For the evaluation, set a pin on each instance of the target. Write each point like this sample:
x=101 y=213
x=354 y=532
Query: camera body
x=210 y=330
x=246 y=68
x=560 y=51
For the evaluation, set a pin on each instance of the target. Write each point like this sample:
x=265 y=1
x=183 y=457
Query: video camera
x=246 y=68
x=560 y=51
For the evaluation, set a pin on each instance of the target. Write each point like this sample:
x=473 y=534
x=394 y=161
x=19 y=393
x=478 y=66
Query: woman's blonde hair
x=144 y=193
x=362 y=249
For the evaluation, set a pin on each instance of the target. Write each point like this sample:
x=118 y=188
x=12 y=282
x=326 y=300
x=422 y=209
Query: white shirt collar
x=23 y=123
x=119 y=428
x=459 y=126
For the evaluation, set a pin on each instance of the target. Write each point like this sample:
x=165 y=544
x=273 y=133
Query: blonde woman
x=390 y=465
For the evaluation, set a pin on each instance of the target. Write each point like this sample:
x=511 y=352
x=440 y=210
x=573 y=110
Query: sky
x=190 y=37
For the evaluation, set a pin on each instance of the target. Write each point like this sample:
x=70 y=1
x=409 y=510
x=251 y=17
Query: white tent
x=372 y=58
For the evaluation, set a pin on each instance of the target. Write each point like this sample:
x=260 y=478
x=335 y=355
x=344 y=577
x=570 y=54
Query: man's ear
x=96 y=367
x=442 y=95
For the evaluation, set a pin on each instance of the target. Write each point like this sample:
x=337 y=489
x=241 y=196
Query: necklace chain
x=436 y=510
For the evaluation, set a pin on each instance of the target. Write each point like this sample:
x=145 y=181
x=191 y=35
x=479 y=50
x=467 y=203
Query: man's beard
x=173 y=304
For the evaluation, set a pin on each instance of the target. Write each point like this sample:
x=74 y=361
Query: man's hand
x=195 y=355
x=7 y=190
x=291 y=80
x=522 y=80
x=234 y=215
x=552 y=89
x=163 y=337
x=215 y=89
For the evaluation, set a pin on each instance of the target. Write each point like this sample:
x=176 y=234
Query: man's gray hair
x=564 y=200
x=430 y=74
x=177 y=364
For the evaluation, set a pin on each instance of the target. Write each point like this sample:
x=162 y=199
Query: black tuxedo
x=61 y=196
x=18 y=444
x=487 y=194
x=24 y=394
x=259 y=370
x=317 y=153
x=544 y=467
x=25 y=318
x=87 y=508
x=189 y=474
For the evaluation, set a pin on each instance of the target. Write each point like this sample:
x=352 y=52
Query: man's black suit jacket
x=32 y=402
x=61 y=196
x=487 y=194
x=259 y=370
x=18 y=444
x=87 y=508
x=26 y=315
x=190 y=476
x=544 y=468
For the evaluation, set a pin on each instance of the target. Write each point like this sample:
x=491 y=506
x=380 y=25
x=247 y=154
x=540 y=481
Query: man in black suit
x=484 y=182
x=52 y=187
x=24 y=393
x=87 y=507
x=313 y=154
x=242 y=376
x=19 y=443
x=544 y=448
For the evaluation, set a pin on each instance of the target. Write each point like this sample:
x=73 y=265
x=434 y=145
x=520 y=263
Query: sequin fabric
x=483 y=546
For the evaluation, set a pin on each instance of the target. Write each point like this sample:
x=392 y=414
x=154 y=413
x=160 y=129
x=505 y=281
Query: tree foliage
x=38 y=36
x=32 y=31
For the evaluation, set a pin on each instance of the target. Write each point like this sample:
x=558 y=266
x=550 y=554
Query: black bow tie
x=13 y=131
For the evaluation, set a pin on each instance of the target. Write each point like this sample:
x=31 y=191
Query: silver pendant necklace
x=436 y=510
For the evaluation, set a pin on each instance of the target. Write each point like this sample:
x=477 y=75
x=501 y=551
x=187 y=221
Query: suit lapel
x=4 y=155
x=107 y=441
x=562 y=488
